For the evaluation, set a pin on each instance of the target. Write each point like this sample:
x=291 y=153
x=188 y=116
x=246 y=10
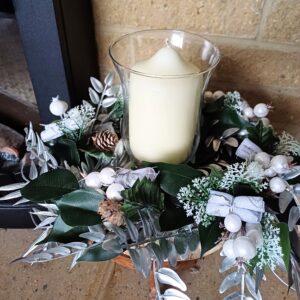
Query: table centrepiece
x=99 y=198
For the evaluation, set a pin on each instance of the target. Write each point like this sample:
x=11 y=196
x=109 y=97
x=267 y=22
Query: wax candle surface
x=163 y=112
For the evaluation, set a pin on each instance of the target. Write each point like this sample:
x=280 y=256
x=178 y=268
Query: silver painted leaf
x=52 y=159
x=33 y=173
x=296 y=189
x=76 y=245
x=170 y=277
x=227 y=264
x=294 y=216
x=135 y=257
x=132 y=230
x=74 y=261
x=230 y=131
x=97 y=237
x=119 y=232
x=12 y=187
x=175 y=294
x=44 y=213
x=172 y=257
x=229 y=281
x=12 y=195
x=107 y=102
x=235 y=296
x=49 y=206
x=46 y=222
x=145 y=259
x=112 y=91
x=157 y=252
x=60 y=250
x=147 y=228
x=112 y=245
x=285 y=199
x=109 y=79
x=259 y=277
x=292 y=173
x=94 y=96
x=36 y=241
x=96 y=84
x=44 y=168
x=250 y=283
x=39 y=257
x=180 y=244
x=96 y=228
x=40 y=146
x=21 y=201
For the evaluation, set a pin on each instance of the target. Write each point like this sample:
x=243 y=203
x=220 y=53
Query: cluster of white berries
x=274 y=166
x=106 y=177
x=244 y=246
x=260 y=110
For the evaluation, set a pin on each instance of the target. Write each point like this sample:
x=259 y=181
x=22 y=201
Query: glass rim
x=210 y=68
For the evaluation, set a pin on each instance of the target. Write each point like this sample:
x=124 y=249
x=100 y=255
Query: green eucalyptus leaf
x=173 y=177
x=50 y=186
x=63 y=233
x=97 y=253
x=66 y=150
x=209 y=236
x=285 y=243
x=79 y=208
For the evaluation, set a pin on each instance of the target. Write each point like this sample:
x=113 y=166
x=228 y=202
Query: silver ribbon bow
x=249 y=208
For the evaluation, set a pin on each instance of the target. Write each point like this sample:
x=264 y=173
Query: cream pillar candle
x=163 y=112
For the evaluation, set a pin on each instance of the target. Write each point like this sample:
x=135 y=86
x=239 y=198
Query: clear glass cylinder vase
x=164 y=74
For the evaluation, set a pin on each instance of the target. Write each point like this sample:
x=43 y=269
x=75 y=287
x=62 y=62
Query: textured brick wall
x=259 y=41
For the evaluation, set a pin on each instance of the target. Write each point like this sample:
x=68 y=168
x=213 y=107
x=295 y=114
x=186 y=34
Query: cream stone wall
x=259 y=42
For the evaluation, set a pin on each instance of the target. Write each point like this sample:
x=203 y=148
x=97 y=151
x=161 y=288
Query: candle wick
x=168 y=43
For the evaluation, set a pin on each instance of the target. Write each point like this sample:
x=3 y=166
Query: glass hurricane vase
x=163 y=74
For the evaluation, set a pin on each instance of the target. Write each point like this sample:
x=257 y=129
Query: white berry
x=261 y=110
x=92 y=180
x=280 y=164
x=270 y=172
x=277 y=185
x=228 y=249
x=113 y=192
x=107 y=176
x=233 y=222
x=58 y=107
x=263 y=158
x=218 y=94
x=248 y=112
x=208 y=96
x=244 y=247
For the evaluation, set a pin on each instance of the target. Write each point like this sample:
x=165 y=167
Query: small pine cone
x=105 y=140
x=110 y=211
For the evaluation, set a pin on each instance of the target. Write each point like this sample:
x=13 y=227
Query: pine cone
x=105 y=140
x=110 y=211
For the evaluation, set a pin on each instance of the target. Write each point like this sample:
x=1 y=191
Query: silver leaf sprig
x=41 y=160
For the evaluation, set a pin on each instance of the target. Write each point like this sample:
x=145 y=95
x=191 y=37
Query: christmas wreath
x=241 y=191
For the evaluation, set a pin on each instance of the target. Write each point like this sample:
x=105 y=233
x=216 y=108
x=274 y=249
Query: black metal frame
x=60 y=49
